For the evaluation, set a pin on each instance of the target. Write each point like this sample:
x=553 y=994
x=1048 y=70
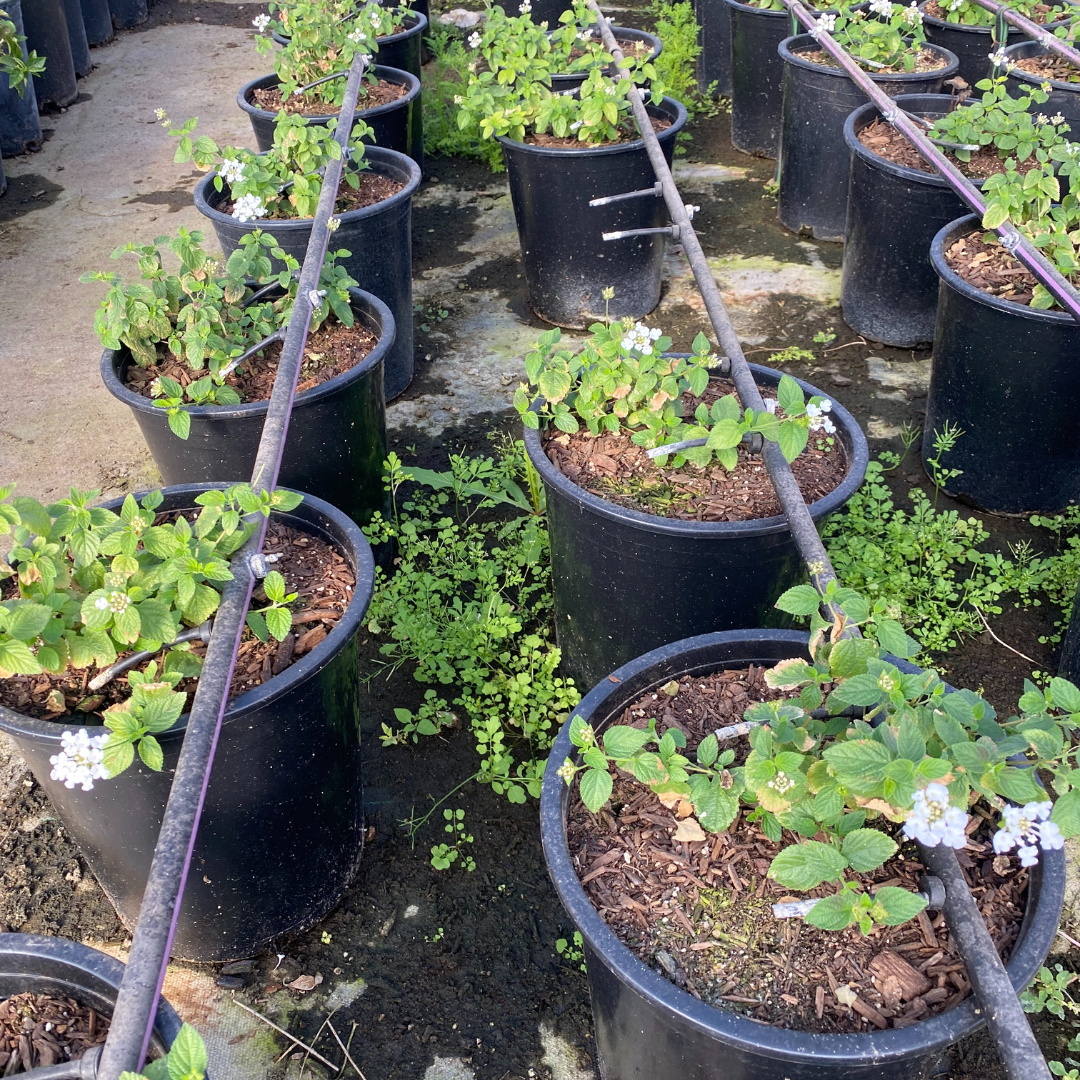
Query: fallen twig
x=348 y=1057
x=1071 y=940
x=1034 y=663
x=288 y=1034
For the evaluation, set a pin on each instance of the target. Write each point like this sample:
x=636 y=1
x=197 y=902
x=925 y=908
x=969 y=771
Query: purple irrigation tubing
x=1044 y=37
x=1011 y=239
x=136 y=1004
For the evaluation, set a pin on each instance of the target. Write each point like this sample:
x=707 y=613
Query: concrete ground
x=105 y=176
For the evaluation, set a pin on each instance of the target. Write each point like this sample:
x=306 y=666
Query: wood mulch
x=1043 y=13
x=40 y=1030
x=572 y=143
x=1049 y=66
x=371 y=188
x=699 y=911
x=927 y=61
x=371 y=96
x=628 y=48
x=884 y=140
x=991 y=268
x=319 y=575
x=611 y=467
x=330 y=351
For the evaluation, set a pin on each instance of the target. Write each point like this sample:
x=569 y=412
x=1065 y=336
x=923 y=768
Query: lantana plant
x=12 y=63
x=283 y=183
x=967 y=13
x=859 y=756
x=205 y=313
x=621 y=379
x=91 y=583
x=889 y=37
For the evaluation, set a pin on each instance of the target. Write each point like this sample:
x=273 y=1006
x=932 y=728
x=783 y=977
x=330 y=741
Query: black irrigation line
x=1044 y=37
x=1005 y=1017
x=136 y=1004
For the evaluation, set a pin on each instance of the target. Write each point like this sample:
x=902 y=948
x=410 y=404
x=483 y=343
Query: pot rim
x=50 y=731
x=732 y=1028
x=749 y=9
x=376 y=155
x=414 y=28
x=627 y=33
x=905 y=172
x=858 y=459
x=787 y=49
x=1027 y=76
x=677 y=123
x=396 y=76
x=112 y=359
x=970 y=223
x=940 y=23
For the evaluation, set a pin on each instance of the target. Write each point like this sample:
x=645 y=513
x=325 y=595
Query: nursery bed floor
x=478 y=950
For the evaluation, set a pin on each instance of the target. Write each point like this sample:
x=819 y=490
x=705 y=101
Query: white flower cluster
x=641 y=338
x=883 y=8
x=80 y=759
x=458 y=99
x=585 y=35
x=818 y=420
x=261 y=22
x=475 y=39
x=356 y=36
x=525 y=7
x=1000 y=60
x=231 y=171
x=248 y=207
x=825 y=24
x=156 y=389
x=933 y=821
x=1026 y=828
x=912 y=15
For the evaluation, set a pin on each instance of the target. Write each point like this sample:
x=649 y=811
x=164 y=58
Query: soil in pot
x=319 y=575
x=569 y=142
x=927 y=61
x=371 y=188
x=1049 y=66
x=613 y=468
x=43 y=1029
x=991 y=268
x=382 y=93
x=331 y=350
x=698 y=910
x=1041 y=15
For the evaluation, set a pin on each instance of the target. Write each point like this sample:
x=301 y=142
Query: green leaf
x=790 y=396
x=792 y=439
x=179 y=423
x=899 y=904
x=150 y=752
x=799 y=600
x=892 y=639
x=867 y=849
x=807 y=865
x=859 y=690
x=909 y=743
x=117 y=756
x=596 y=788
x=554 y=385
x=1064 y=695
x=828 y=804
x=274 y=587
x=257 y=624
x=714 y=805
x=157 y=621
x=187 y=1055
x=708 y=750
x=833 y=912
x=278 y=622
x=26 y=620
x=17 y=659
x=33 y=515
x=623 y=742
x=1066 y=813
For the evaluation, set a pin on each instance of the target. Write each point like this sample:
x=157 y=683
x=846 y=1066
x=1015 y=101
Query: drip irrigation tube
x=1005 y=1017
x=132 y=1023
x=1044 y=37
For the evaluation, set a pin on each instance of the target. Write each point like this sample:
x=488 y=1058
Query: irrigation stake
x=136 y=1003
x=289 y=1034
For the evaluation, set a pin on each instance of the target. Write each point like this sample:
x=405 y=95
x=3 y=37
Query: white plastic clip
x=258 y=563
x=1010 y=240
x=315 y=297
x=890 y=115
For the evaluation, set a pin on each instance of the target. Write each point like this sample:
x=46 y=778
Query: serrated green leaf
x=26 y=620
x=708 y=750
x=596 y=785
x=806 y=865
x=1064 y=695
x=833 y=912
x=150 y=752
x=1066 y=813
x=17 y=659
x=867 y=849
x=623 y=742
x=117 y=756
x=187 y=1055
x=278 y=622
x=792 y=439
x=799 y=600
x=899 y=904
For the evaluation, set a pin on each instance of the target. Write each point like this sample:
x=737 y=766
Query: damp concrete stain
x=449 y=1068
x=561 y=1057
x=910 y=377
x=698 y=176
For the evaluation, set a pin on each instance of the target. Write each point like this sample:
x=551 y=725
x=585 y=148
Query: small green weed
x=572 y=951
x=790 y=354
x=443 y=856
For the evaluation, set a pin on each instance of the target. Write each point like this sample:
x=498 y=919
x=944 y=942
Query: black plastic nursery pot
x=401 y=50
x=714 y=60
x=971 y=45
x=567 y=81
x=379 y=237
x=1064 y=96
x=20 y=128
x=282 y=827
x=888 y=288
x=337 y=431
x=814 y=158
x=31 y=963
x=567 y=262
x=701 y=575
x=97 y=19
x=128 y=13
x=47 y=35
x=542 y=10
x=1007 y=375
x=646 y=1027
x=80 y=47
x=397 y=125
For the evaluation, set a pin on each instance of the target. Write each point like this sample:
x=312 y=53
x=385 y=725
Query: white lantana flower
x=80 y=759
x=1027 y=828
x=475 y=39
x=458 y=99
x=525 y=7
x=999 y=59
x=818 y=420
x=1057 y=118
x=641 y=338
x=883 y=8
x=231 y=171
x=261 y=22
x=825 y=24
x=248 y=207
x=357 y=35
x=933 y=821
x=912 y=15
